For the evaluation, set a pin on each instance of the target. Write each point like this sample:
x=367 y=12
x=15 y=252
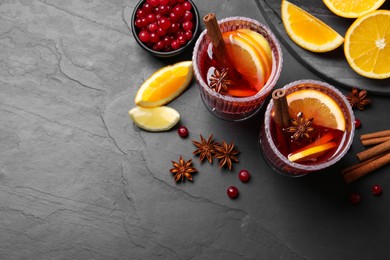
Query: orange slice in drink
x=311 y=152
x=262 y=46
x=353 y=9
x=308 y=31
x=367 y=45
x=164 y=85
x=245 y=58
x=315 y=104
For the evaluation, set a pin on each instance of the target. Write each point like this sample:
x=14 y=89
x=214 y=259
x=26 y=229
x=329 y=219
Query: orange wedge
x=154 y=119
x=245 y=58
x=312 y=152
x=367 y=45
x=315 y=104
x=308 y=31
x=353 y=9
x=164 y=85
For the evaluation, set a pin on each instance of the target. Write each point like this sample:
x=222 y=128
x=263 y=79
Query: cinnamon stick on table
x=376 y=150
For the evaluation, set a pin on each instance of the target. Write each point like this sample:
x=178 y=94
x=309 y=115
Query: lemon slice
x=164 y=85
x=367 y=45
x=315 y=104
x=308 y=31
x=312 y=152
x=154 y=119
x=352 y=9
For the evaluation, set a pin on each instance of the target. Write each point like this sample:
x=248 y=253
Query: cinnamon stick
x=359 y=170
x=375 y=135
x=282 y=117
x=375 y=141
x=376 y=150
x=215 y=35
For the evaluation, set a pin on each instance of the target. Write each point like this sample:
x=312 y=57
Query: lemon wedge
x=154 y=119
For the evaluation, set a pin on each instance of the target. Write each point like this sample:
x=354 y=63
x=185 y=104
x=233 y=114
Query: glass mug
x=228 y=107
x=273 y=155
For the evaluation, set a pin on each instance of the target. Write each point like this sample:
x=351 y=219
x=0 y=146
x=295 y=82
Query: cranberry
x=147 y=7
x=188 y=25
x=141 y=13
x=151 y=18
x=354 y=198
x=181 y=39
x=187 y=5
x=182 y=131
x=153 y=27
x=138 y=23
x=180 y=1
x=358 y=123
x=244 y=176
x=144 y=36
x=188 y=16
x=376 y=190
x=159 y=46
x=188 y=35
x=178 y=9
x=164 y=9
x=161 y=31
x=174 y=17
x=165 y=23
x=175 y=44
x=154 y=37
x=232 y=192
x=174 y=28
x=154 y=2
x=173 y=2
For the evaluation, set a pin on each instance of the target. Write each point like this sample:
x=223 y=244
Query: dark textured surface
x=332 y=66
x=79 y=181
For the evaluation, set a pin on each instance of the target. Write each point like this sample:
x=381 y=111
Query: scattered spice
x=205 y=148
x=183 y=170
x=301 y=127
x=220 y=81
x=226 y=154
x=358 y=99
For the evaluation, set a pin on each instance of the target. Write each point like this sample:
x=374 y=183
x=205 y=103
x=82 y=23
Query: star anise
x=183 y=170
x=205 y=148
x=226 y=154
x=220 y=81
x=301 y=127
x=358 y=99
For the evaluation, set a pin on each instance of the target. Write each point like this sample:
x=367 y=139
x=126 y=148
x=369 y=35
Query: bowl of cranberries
x=165 y=28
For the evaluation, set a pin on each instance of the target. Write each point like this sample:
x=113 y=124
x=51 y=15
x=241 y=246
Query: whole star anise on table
x=358 y=99
x=301 y=127
x=220 y=81
x=183 y=170
x=205 y=148
x=226 y=154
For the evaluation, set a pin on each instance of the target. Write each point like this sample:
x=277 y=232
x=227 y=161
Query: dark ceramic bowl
x=166 y=54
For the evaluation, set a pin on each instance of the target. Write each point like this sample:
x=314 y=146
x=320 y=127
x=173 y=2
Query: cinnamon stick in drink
x=282 y=116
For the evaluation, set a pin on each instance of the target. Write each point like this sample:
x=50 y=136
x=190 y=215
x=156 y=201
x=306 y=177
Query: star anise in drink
x=226 y=154
x=220 y=81
x=205 y=148
x=301 y=127
x=358 y=99
x=183 y=170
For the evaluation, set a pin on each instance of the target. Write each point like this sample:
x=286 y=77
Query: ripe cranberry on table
x=182 y=131
x=376 y=190
x=244 y=175
x=232 y=192
x=354 y=198
x=158 y=20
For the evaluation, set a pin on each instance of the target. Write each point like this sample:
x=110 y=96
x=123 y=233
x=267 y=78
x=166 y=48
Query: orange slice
x=367 y=45
x=262 y=46
x=315 y=104
x=353 y=9
x=308 y=31
x=154 y=119
x=164 y=85
x=245 y=58
x=312 y=152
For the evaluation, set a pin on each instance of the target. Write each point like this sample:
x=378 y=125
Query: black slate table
x=79 y=181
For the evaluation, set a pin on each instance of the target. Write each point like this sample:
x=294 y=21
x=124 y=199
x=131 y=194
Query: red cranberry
x=376 y=190
x=358 y=123
x=182 y=131
x=141 y=13
x=151 y=18
x=173 y=2
x=188 y=25
x=164 y=2
x=154 y=2
x=354 y=198
x=147 y=7
x=165 y=23
x=180 y=1
x=187 y=5
x=182 y=40
x=188 y=16
x=154 y=37
x=188 y=35
x=244 y=176
x=153 y=27
x=144 y=36
x=178 y=9
x=175 y=44
x=232 y=192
